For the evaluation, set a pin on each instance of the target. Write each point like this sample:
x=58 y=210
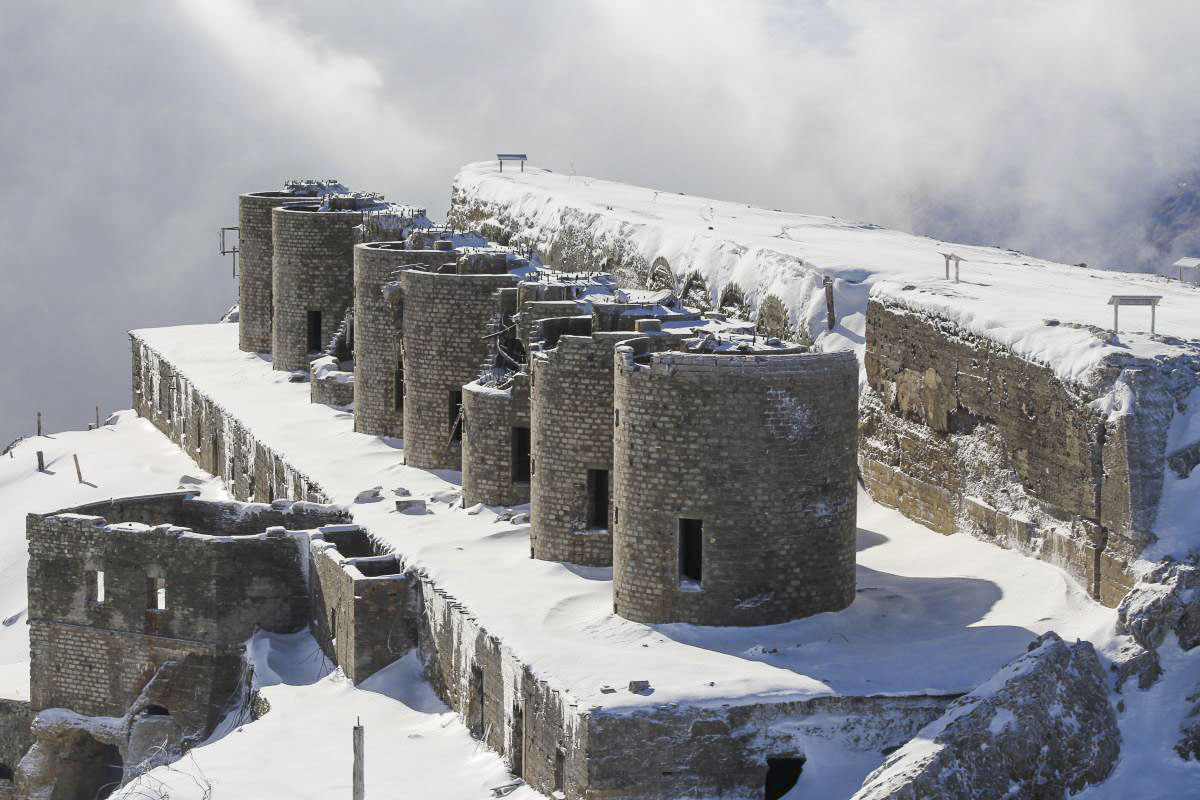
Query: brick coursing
x=444 y=321
x=255 y=254
x=377 y=332
x=312 y=270
x=490 y=416
x=762 y=449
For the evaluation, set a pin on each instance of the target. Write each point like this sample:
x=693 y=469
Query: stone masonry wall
x=95 y=655
x=762 y=450
x=960 y=433
x=445 y=318
x=490 y=417
x=255 y=253
x=216 y=440
x=364 y=610
x=571 y=423
x=15 y=736
x=313 y=270
x=377 y=332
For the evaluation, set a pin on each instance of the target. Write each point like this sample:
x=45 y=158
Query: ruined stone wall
x=762 y=450
x=214 y=517
x=960 y=433
x=445 y=318
x=364 y=610
x=313 y=270
x=377 y=332
x=255 y=254
x=15 y=737
x=332 y=389
x=491 y=417
x=216 y=440
x=571 y=427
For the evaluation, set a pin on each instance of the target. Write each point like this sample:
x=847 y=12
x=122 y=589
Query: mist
x=129 y=128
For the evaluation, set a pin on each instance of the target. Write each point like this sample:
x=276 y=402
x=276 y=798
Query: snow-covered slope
x=1003 y=295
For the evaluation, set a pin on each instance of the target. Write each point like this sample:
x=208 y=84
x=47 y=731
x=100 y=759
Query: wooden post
x=831 y=318
x=1152 y=320
x=78 y=472
x=359 y=790
x=41 y=461
x=956 y=270
x=97 y=416
x=39 y=433
x=1116 y=328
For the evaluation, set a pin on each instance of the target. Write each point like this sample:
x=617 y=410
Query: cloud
x=1048 y=127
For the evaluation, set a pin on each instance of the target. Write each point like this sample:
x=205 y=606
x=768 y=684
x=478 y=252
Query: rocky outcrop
x=1039 y=728
x=1166 y=599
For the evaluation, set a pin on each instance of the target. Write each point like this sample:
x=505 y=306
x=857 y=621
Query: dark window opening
x=597 y=485
x=333 y=626
x=456 y=416
x=6 y=772
x=691 y=552
x=314 y=331
x=476 y=702
x=560 y=770
x=782 y=774
x=520 y=455
x=155 y=711
x=398 y=390
x=616 y=417
x=216 y=457
x=518 y=741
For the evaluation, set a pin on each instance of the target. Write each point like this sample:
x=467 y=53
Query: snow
x=1003 y=295
x=302 y=747
x=933 y=614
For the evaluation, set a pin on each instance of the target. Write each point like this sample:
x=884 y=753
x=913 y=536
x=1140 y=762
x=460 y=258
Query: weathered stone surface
x=1039 y=728
x=494 y=420
x=1188 y=746
x=760 y=449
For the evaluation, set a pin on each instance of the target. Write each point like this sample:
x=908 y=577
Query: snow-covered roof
x=1003 y=295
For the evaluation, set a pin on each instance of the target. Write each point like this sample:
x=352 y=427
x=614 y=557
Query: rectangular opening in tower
x=156 y=593
x=520 y=455
x=597 y=485
x=691 y=552
x=398 y=390
x=456 y=416
x=313 y=331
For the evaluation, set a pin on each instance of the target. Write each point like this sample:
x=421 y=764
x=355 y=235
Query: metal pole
x=1151 y=320
x=1116 y=328
x=359 y=790
x=956 y=271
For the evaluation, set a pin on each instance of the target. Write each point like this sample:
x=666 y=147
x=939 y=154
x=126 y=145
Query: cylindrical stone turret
x=571 y=421
x=444 y=321
x=496 y=442
x=378 y=371
x=313 y=274
x=255 y=257
x=734 y=485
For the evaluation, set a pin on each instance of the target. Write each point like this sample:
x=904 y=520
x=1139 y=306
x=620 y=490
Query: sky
x=129 y=127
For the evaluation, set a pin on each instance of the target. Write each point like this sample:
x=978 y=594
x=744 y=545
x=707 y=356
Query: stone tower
x=734 y=484
x=313 y=273
x=255 y=251
x=378 y=371
x=445 y=319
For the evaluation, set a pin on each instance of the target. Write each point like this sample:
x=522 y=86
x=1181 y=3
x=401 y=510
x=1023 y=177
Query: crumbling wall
x=377 y=336
x=15 y=739
x=98 y=654
x=445 y=319
x=958 y=432
x=492 y=420
x=364 y=609
x=759 y=450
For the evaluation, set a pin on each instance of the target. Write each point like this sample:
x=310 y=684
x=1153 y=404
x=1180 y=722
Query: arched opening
x=733 y=302
x=773 y=318
x=87 y=768
x=155 y=711
x=782 y=774
x=661 y=276
x=694 y=292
